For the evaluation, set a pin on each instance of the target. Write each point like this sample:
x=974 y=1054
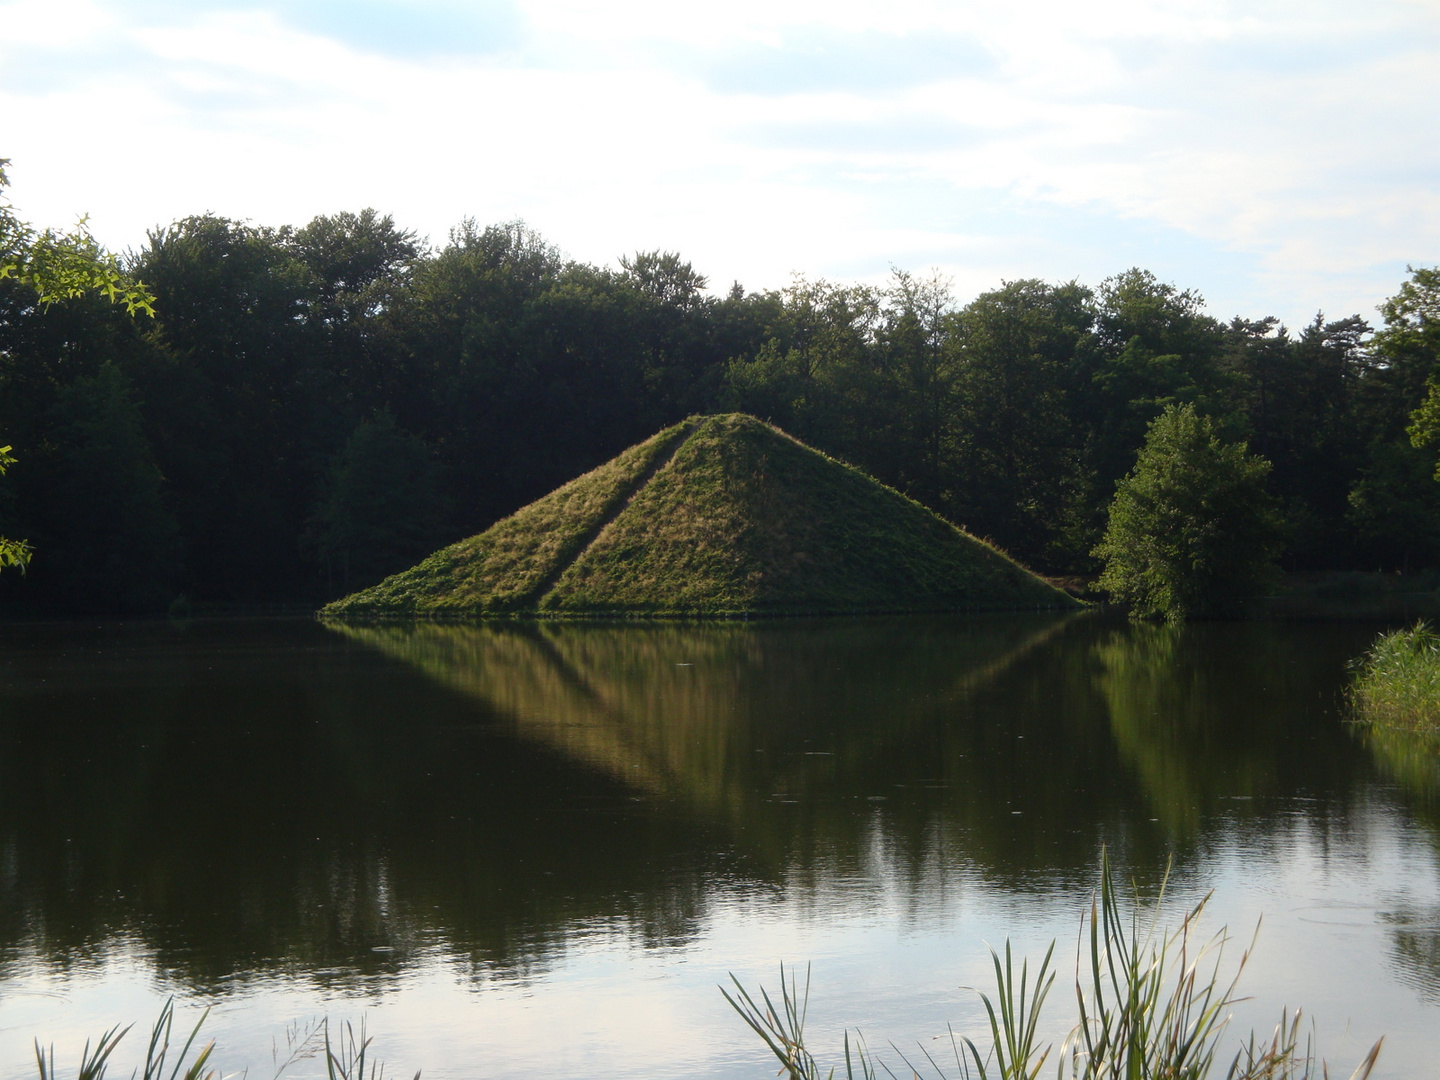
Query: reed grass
x=1152 y=1003
x=93 y=1063
x=347 y=1056
x=1396 y=684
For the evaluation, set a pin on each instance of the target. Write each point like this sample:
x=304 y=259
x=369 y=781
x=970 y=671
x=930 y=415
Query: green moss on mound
x=723 y=516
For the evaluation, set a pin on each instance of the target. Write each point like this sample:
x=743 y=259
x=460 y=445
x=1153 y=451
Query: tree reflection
x=1413 y=766
x=1211 y=717
x=339 y=805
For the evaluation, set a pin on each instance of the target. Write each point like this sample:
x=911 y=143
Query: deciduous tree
x=57 y=266
x=1192 y=530
x=382 y=508
x=12 y=552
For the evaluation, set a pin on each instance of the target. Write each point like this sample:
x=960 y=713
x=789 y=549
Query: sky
x=1281 y=158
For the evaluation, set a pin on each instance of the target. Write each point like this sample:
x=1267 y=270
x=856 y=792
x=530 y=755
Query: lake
x=536 y=850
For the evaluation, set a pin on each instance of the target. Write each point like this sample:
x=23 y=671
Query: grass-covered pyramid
x=723 y=515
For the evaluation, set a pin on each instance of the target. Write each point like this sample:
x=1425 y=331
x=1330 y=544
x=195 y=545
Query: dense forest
x=309 y=409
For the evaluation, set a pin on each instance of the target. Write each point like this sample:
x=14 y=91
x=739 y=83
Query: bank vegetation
x=312 y=408
x=1396 y=687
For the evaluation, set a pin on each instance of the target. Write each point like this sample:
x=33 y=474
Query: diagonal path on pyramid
x=719 y=516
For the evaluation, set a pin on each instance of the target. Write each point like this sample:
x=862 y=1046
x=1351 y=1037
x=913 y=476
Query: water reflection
x=1021 y=741
x=791 y=738
x=1216 y=719
x=340 y=806
x=1414 y=767
x=246 y=801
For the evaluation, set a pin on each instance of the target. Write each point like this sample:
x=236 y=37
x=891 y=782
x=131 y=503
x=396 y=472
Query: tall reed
x=93 y=1063
x=1152 y=1003
x=1397 y=682
x=346 y=1057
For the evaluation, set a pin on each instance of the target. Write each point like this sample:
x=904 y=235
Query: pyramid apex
x=719 y=515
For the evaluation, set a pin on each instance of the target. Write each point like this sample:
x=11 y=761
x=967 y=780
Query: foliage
x=1192 y=530
x=1020 y=452
x=967 y=410
x=12 y=552
x=1013 y=414
x=358 y=261
x=1396 y=684
x=1412 y=326
x=1152 y=1003
x=110 y=540
x=246 y=408
x=1424 y=427
x=384 y=508
x=1394 y=505
x=1314 y=440
x=57 y=266
x=665 y=276
x=716 y=517
x=64 y=265
x=1153 y=346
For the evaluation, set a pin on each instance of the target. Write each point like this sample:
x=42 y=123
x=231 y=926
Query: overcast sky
x=1279 y=157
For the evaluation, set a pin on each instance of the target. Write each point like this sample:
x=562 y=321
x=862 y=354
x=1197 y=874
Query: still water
x=523 y=851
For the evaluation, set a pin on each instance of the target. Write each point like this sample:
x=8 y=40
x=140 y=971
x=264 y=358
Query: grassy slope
x=743 y=519
x=503 y=568
x=746 y=519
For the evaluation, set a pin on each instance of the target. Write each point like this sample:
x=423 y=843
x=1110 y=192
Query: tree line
x=309 y=409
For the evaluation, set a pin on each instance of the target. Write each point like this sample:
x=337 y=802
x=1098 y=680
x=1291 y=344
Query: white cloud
x=1273 y=155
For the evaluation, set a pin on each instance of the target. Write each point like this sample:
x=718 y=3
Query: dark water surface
x=527 y=851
